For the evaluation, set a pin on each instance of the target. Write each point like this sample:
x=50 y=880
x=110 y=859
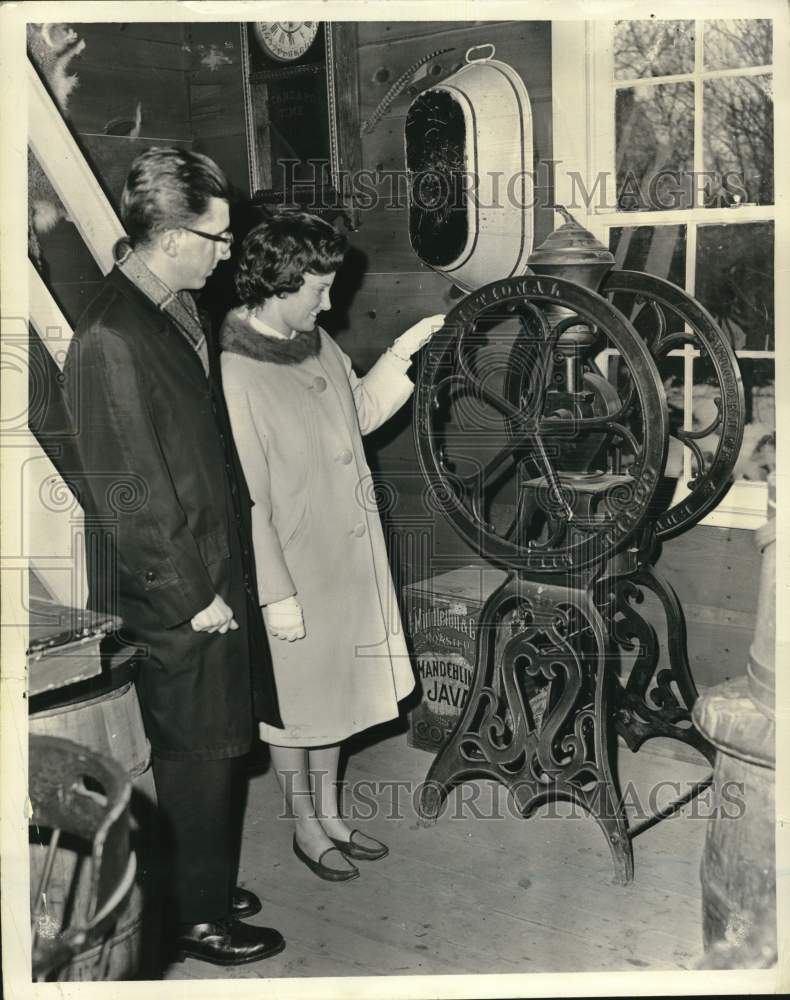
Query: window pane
x=758 y=452
x=738 y=117
x=737 y=43
x=654 y=135
x=658 y=250
x=735 y=281
x=652 y=48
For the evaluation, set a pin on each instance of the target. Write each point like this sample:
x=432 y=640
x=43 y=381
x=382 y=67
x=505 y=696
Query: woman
x=298 y=413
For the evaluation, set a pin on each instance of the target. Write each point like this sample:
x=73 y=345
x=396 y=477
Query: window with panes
x=688 y=130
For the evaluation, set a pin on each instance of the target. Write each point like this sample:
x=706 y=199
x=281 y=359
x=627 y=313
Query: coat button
x=150 y=576
x=359 y=529
x=346 y=457
x=319 y=383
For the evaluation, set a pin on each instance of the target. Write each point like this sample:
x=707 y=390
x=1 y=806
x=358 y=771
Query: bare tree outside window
x=694 y=136
x=738 y=43
x=653 y=48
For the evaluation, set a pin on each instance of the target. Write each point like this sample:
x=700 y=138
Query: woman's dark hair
x=276 y=255
x=168 y=188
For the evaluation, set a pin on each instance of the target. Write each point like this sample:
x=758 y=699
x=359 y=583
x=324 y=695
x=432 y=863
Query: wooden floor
x=474 y=893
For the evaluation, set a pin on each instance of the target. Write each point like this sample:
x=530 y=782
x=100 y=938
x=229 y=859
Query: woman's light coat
x=316 y=531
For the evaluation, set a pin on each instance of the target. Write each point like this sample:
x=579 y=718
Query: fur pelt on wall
x=52 y=47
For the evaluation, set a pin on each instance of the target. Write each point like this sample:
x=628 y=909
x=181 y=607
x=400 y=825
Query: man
x=167 y=517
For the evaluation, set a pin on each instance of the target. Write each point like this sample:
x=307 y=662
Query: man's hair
x=168 y=188
x=276 y=255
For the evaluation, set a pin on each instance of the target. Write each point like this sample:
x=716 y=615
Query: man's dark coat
x=167 y=517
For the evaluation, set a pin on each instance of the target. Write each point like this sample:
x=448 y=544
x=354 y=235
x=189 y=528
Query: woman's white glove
x=416 y=336
x=284 y=619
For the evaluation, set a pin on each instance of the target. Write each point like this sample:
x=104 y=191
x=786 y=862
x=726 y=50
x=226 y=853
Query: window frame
x=584 y=150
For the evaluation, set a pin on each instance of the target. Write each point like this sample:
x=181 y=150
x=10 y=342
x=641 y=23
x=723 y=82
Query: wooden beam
x=50 y=324
x=53 y=528
x=56 y=554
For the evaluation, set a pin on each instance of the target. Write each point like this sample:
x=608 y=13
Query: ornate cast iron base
x=546 y=702
x=657 y=697
x=537 y=717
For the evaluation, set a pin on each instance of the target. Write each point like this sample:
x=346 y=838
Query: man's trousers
x=199 y=806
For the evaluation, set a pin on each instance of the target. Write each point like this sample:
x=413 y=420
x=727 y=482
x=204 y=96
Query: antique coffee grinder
x=542 y=429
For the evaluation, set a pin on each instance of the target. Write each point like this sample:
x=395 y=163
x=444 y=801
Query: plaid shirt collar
x=179 y=306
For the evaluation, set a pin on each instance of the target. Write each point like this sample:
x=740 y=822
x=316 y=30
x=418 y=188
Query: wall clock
x=301 y=110
x=285 y=41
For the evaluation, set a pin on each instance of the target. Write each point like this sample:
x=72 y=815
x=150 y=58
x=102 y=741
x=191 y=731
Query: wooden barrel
x=738 y=869
x=125 y=947
x=69 y=888
x=109 y=722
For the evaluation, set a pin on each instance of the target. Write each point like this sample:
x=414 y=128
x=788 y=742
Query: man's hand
x=284 y=619
x=217 y=617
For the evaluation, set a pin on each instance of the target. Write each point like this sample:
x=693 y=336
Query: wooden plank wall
x=716 y=573
x=216 y=98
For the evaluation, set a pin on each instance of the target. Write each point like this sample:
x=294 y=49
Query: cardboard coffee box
x=442 y=615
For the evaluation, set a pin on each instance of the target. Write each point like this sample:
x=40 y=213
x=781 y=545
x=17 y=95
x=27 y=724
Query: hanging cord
x=397 y=88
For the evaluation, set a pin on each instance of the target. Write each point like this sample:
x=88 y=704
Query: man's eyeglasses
x=225 y=238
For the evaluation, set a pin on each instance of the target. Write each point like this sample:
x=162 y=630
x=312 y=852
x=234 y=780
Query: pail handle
x=477 y=48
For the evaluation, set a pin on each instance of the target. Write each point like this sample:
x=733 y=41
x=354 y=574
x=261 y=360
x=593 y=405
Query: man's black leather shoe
x=228 y=942
x=244 y=903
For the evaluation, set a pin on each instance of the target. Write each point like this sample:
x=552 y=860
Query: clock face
x=286 y=40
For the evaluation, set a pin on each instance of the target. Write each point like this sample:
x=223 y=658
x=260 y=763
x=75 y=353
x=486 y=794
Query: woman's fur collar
x=239 y=337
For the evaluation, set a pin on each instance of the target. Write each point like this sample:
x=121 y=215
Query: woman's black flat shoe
x=324 y=871
x=358 y=851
